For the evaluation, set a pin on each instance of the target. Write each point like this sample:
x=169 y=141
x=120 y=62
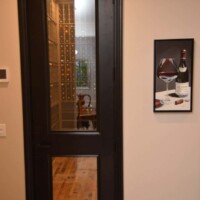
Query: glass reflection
x=72 y=64
x=74 y=178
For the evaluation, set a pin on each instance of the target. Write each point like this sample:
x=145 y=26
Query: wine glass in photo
x=167 y=72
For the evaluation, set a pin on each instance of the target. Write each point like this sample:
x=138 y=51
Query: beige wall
x=162 y=150
x=11 y=148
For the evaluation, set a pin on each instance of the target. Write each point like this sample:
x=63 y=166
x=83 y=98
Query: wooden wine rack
x=61 y=39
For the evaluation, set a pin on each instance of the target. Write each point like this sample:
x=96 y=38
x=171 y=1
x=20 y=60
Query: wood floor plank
x=74 y=178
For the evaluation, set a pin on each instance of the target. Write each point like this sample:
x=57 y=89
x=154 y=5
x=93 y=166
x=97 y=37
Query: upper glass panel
x=72 y=64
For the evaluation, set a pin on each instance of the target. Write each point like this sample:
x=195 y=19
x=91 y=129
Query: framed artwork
x=173 y=68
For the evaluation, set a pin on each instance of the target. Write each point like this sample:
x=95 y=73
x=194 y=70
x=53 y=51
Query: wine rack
x=53 y=62
x=61 y=42
x=67 y=60
x=67 y=50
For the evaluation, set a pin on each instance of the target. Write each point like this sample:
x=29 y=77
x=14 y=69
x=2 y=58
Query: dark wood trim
x=27 y=112
x=26 y=98
x=119 y=99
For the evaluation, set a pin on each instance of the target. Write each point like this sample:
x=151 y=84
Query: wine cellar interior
x=72 y=64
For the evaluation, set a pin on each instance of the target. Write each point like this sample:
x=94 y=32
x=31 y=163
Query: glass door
x=72 y=99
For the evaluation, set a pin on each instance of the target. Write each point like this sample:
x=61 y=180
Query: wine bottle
x=182 y=81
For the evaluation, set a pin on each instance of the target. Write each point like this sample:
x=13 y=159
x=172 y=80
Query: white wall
x=11 y=148
x=161 y=150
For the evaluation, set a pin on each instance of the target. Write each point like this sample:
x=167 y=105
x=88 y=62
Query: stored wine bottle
x=182 y=81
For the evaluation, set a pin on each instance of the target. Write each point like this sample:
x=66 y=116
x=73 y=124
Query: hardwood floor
x=74 y=178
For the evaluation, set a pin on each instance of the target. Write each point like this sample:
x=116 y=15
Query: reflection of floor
x=74 y=178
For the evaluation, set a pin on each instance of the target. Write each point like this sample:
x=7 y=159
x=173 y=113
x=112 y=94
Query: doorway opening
x=71 y=57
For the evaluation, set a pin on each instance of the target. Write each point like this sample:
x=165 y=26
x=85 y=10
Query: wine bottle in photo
x=182 y=81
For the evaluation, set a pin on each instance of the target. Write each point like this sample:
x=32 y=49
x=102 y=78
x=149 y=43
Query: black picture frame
x=167 y=51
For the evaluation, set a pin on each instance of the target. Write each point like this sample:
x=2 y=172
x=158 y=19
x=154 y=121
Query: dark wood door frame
x=27 y=111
